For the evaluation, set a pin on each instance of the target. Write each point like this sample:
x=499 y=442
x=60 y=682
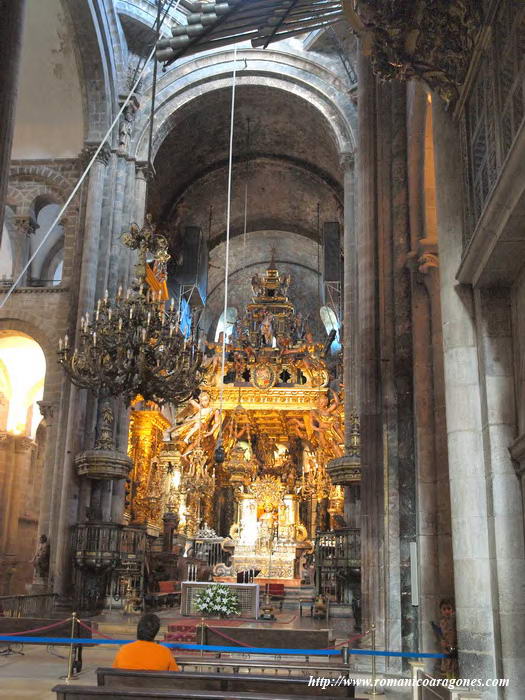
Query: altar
x=247 y=593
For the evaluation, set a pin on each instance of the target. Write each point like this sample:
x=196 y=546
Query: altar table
x=248 y=594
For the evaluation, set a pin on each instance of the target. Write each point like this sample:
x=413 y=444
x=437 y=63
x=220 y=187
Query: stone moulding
x=103 y=464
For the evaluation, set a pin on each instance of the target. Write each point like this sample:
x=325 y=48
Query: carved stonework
x=347 y=160
x=89 y=151
x=126 y=123
x=425 y=258
x=25 y=225
x=47 y=409
x=428 y=39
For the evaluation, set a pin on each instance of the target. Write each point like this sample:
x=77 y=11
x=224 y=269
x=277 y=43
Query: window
x=226 y=326
x=331 y=323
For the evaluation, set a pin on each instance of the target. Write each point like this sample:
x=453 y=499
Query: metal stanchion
x=202 y=636
x=374 y=690
x=70 y=655
x=416 y=667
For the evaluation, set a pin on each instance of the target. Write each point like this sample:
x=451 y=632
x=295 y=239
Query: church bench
x=233 y=682
x=268 y=637
x=264 y=666
x=79 y=692
x=22 y=626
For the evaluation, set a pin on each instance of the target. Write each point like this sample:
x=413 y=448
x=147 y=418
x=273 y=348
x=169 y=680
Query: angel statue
x=284 y=282
x=326 y=422
x=203 y=423
x=257 y=285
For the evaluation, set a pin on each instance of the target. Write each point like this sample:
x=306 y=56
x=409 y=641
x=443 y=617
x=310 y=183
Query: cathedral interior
x=262 y=313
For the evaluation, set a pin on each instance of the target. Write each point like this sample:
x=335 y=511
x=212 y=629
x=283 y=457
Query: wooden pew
x=233 y=682
x=268 y=637
x=86 y=692
x=23 y=625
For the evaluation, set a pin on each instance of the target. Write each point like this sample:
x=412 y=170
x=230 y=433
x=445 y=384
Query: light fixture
x=136 y=347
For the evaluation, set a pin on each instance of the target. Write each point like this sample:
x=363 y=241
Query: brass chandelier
x=136 y=346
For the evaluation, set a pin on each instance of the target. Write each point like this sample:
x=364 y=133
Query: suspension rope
x=83 y=176
x=228 y=221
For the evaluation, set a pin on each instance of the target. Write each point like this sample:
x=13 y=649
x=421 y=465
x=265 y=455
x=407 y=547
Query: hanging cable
x=227 y=251
x=82 y=177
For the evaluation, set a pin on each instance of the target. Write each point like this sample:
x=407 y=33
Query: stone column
x=20 y=467
x=350 y=368
x=342 y=470
x=11 y=30
x=25 y=228
x=468 y=486
x=505 y=512
x=76 y=413
x=372 y=511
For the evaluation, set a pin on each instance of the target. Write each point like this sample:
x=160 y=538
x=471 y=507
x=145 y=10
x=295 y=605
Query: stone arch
x=298 y=74
x=23 y=323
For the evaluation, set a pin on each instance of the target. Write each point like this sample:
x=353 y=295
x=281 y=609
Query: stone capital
x=144 y=171
x=26 y=224
x=347 y=160
x=89 y=151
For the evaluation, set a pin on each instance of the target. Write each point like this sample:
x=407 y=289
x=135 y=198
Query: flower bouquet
x=218 y=601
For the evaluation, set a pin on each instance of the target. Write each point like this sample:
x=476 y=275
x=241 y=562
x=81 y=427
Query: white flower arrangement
x=217 y=600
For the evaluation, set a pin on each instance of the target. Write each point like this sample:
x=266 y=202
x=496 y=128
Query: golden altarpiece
x=246 y=458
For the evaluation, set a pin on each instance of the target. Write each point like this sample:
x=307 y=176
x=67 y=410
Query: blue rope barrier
x=234 y=650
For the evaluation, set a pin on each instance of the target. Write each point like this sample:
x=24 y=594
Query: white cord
x=82 y=177
x=228 y=217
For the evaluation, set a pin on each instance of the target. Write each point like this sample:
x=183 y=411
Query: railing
x=338 y=549
x=38 y=605
x=493 y=107
x=338 y=562
x=210 y=551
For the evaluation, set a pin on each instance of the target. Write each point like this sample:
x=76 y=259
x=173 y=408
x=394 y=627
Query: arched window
x=331 y=323
x=225 y=325
x=56 y=273
x=45 y=268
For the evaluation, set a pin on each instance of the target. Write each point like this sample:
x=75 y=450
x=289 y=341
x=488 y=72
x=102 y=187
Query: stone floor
x=32 y=675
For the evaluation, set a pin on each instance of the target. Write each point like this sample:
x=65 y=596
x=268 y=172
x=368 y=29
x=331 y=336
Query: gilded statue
x=203 y=423
x=327 y=424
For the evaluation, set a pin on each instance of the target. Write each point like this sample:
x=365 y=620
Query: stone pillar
x=342 y=470
x=76 y=412
x=91 y=243
x=25 y=228
x=350 y=367
x=11 y=30
x=7 y=452
x=468 y=486
x=372 y=509
x=505 y=509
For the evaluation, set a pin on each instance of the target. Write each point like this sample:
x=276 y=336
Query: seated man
x=145 y=654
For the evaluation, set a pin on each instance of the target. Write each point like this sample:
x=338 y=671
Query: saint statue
x=326 y=422
x=202 y=424
x=41 y=559
x=267 y=329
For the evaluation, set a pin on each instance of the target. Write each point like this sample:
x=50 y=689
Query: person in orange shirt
x=145 y=654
